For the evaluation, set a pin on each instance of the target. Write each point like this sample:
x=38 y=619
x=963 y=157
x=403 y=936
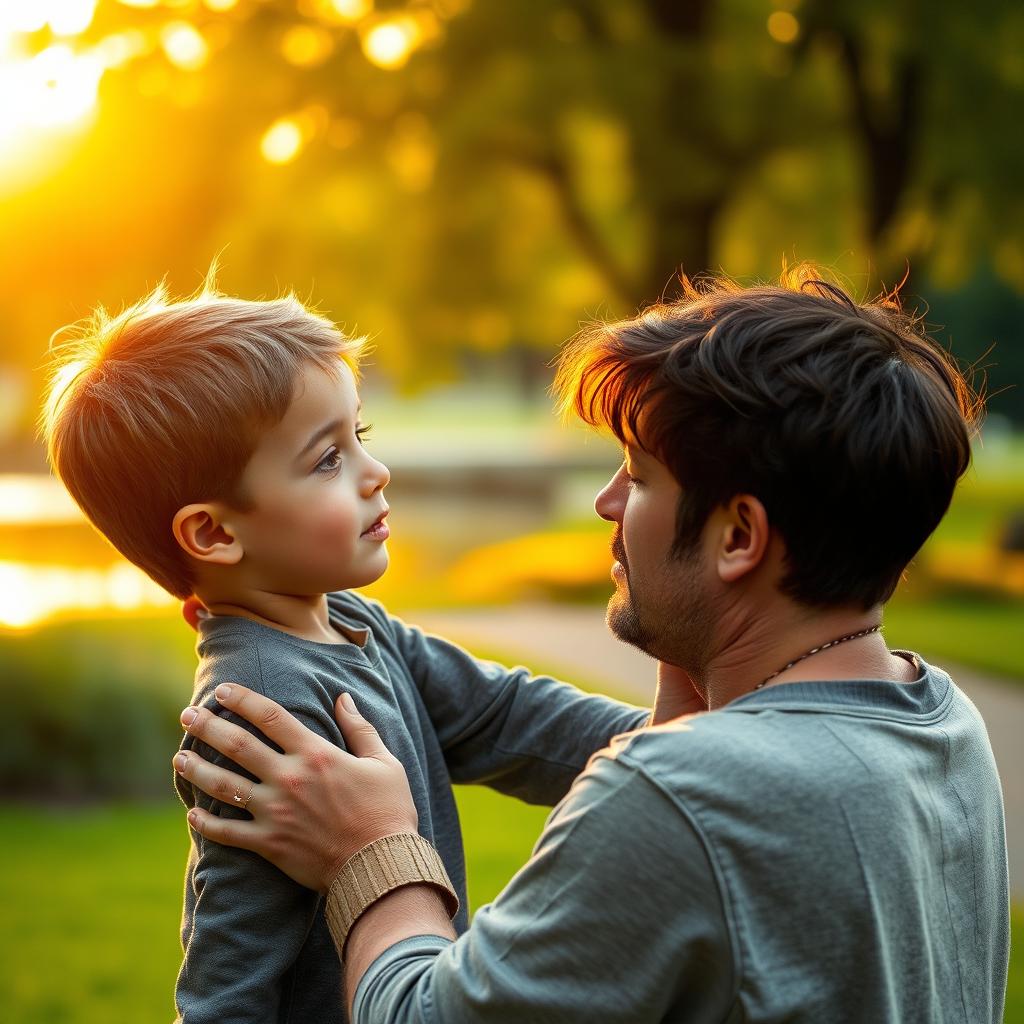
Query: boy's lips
x=378 y=530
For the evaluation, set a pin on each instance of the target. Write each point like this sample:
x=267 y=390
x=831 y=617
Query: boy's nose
x=379 y=475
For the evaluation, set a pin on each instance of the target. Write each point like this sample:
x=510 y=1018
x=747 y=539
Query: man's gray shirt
x=256 y=943
x=814 y=851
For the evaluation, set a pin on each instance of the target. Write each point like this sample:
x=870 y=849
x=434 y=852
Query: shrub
x=91 y=708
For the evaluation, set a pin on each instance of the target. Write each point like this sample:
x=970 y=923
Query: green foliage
x=92 y=707
x=530 y=164
x=92 y=902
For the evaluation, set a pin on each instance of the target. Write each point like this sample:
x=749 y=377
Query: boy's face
x=316 y=518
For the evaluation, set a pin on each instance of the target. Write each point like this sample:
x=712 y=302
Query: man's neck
x=759 y=650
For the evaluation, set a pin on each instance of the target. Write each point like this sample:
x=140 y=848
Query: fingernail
x=223 y=692
x=192 y=817
x=180 y=760
x=188 y=716
x=203 y=613
x=348 y=703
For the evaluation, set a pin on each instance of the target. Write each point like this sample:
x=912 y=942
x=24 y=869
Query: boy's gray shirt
x=814 y=851
x=256 y=945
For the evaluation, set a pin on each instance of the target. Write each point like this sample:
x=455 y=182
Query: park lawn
x=962 y=629
x=92 y=902
x=92 y=896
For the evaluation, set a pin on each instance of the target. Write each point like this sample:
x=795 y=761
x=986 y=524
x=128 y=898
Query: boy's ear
x=202 y=533
x=743 y=538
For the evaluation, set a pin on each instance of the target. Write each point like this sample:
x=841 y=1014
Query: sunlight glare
x=53 y=89
x=220 y=5
x=21 y=18
x=36 y=499
x=71 y=17
x=31 y=594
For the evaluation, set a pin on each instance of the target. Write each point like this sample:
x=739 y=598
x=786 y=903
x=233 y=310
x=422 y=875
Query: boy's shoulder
x=354 y=609
x=287 y=669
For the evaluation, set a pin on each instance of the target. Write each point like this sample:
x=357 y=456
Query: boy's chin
x=370 y=574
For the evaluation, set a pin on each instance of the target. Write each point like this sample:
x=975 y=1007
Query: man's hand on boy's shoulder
x=193 y=610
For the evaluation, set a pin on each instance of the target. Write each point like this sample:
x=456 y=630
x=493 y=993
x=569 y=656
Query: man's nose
x=610 y=500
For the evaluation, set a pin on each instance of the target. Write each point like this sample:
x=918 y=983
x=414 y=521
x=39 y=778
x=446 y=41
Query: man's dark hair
x=847 y=422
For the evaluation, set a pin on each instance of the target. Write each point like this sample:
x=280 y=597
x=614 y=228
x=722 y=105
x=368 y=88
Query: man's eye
x=363 y=432
x=330 y=463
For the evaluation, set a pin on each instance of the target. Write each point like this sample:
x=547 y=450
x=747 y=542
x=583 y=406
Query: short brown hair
x=844 y=419
x=163 y=405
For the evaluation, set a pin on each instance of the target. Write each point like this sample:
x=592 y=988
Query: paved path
x=573 y=643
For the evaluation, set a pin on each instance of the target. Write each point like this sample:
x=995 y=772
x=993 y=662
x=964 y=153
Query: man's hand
x=315 y=805
x=676 y=696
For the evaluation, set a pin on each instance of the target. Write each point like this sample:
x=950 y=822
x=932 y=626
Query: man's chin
x=624 y=623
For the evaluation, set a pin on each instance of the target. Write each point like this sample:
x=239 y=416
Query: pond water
x=54 y=564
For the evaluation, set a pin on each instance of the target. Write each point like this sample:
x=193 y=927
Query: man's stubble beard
x=675 y=627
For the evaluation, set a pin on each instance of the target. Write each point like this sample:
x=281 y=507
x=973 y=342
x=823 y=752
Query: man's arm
x=618 y=916
x=528 y=736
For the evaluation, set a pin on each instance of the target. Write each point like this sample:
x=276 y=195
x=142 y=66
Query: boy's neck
x=305 y=617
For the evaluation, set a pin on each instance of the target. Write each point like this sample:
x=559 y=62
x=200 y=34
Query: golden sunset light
x=777 y=246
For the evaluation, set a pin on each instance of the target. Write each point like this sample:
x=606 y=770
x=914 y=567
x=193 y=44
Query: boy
x=217 y=443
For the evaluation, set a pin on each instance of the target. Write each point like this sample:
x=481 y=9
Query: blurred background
x=465 y=182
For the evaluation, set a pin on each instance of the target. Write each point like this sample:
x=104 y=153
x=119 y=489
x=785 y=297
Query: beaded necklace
x=815 y=650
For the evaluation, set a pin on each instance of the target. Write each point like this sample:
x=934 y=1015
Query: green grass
x=92 y=899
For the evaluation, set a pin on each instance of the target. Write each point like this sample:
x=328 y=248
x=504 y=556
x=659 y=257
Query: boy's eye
x=330 y=462
x=363 y=432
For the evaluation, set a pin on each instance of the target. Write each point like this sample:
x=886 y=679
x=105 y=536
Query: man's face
x=316 y=518
x=662 y=604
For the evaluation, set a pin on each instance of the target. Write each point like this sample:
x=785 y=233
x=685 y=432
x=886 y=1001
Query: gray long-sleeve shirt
x=829 y=851
x=256 y=944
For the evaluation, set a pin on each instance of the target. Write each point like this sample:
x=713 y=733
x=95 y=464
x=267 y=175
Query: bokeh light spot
x=282 y=141
x=783 y=27
x=351 y=10
x=389 y=43
x=184 y=45
x=306 y=45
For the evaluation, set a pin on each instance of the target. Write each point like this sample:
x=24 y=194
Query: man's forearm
x=401 y=914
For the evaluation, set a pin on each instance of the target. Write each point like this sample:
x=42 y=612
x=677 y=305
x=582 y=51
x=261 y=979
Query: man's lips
x=619 y=554
x=378 y=530
x=619 y=550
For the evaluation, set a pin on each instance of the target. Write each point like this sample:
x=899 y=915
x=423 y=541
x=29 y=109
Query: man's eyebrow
x=326 y=430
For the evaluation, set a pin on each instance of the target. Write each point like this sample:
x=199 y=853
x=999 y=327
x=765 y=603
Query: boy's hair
x=844 y=419
x=164 y=404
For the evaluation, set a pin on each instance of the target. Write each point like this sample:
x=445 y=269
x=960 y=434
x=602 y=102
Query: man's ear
x=202 y=533
x=742 y=538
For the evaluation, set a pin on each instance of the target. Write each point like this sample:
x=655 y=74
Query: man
x=811 y=828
